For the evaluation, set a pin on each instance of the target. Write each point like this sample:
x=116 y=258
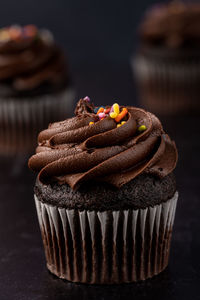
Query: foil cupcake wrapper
x=22 y=119
x=106 y=247
x=167 y=87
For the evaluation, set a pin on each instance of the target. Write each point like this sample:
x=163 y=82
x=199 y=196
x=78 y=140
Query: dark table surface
x=23 y=274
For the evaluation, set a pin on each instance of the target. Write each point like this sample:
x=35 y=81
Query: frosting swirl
x=30 y=59
x=174 y=25
x=73 y=152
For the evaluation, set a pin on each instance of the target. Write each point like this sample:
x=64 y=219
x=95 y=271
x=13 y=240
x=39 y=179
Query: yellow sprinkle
x=142 y=128
x=119 y=125
x=91 y=123
x=116 y=108
x=123 y=122
x=4 y=35
x=113 y=115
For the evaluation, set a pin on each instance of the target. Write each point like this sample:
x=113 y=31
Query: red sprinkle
x=30 y=30
x=107 y=110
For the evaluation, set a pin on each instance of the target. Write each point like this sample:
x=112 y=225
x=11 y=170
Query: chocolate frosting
x=175 y=25
x=30 y=61
x=75 y=152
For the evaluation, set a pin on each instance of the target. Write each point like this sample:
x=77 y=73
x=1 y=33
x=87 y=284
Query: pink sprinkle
x=87 y=99
x=101 y=115
x=112 y=109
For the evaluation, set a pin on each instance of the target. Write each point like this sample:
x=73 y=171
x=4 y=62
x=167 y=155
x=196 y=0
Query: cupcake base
x=168 y=85
x=22 y=119
x=107 y=247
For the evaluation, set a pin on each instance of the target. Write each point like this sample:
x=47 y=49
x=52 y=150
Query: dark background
x=99 y=38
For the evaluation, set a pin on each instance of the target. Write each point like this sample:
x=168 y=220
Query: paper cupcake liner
x=106 y=247
x=168 y=87
x=22 y=119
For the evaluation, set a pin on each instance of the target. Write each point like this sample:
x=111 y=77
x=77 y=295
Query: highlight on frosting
x=90 y=148
x=29 y=58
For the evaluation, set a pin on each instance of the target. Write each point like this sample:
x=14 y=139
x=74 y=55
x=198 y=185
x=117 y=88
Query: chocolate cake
x=166 y=65
x=141 y=192
x=31 y=62
x=35 y=86
x=105 y=194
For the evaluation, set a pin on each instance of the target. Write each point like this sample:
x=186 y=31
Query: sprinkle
x=91 y=123
x=101 y=115
x=4 y=35
x=87 y=99
x=121 y=115
x=96 y=110
x=142 y=128
x=114 y=112
x=120 y=124
x=100 y=110
x=107 y=110
x=113 y=115
x=30 y=31
x=116 y=108
x=15 y=32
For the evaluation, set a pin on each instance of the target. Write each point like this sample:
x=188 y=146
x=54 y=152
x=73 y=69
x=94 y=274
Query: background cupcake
x=167 y=63
x=105 y=194
x=34 y=86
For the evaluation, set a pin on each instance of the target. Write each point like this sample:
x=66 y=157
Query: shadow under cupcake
x=35 y=86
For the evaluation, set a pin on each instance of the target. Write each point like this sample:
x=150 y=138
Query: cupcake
x=166 y=65
x=105 y=194
x=34 y=86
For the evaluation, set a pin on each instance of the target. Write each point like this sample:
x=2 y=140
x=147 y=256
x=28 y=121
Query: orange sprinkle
x=121 y=115
x=100 y=110
x=30 y=30
x=15 y=33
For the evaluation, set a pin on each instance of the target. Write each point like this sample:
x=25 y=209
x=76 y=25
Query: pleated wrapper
x=168 y=87
x=108 y=247
x=22 y=119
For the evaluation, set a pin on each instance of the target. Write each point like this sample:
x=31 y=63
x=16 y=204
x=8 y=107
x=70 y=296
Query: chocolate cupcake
x=166 y=65
x=105 y=194
x=34 y=86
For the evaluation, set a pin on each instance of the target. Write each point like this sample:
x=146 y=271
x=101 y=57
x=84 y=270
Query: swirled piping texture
x=74 y=152
x=28 y=63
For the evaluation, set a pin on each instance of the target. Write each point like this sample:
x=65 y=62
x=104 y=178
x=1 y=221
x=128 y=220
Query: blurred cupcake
x=105 y=194
x=167 y=63
x=34 y=86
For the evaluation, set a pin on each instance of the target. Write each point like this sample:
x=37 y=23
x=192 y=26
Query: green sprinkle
x=142 y=128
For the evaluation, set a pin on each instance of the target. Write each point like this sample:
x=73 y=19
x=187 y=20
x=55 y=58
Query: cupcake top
x=113 y=145
x=174 y=25
x=30 y=61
